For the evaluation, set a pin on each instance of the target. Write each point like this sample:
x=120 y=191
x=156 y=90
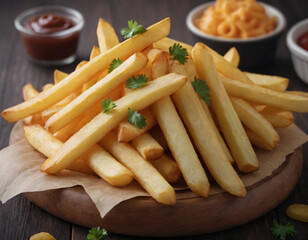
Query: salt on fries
x=89 y=121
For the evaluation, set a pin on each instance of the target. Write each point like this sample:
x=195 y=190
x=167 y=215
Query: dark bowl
x=254 y=52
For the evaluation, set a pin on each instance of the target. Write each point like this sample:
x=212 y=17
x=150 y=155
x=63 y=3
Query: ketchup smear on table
x=303 y=41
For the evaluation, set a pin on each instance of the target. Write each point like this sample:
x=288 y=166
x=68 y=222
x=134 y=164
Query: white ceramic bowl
x=298 y=54
x=254 y=52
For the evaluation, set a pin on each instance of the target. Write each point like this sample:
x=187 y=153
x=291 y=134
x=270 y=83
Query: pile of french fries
x=65 y=121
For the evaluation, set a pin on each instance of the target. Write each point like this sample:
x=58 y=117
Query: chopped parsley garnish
x=202 y=89
x=136 y=119
x=178 y=53
x=133 y=29
x=114 y=64
x=97 y=233
x=136 y=82
x=283 y=232
x=107 y=105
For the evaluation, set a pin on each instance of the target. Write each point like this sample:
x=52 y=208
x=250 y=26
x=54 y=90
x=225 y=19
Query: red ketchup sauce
x=46 y=41
x=303 y=41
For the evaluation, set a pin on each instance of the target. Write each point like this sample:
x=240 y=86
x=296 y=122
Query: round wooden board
x=143 y=216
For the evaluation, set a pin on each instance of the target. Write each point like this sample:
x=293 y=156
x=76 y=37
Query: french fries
x=82 y=75
x=106 y=36
x=148 y=147
x=250 y=92
x=246 y=107
x=148 y=177
x=103 y=123
x=251 y=118
x=233 y=131
x=95 y=93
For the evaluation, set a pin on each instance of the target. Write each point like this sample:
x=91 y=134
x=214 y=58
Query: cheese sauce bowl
x=50 y=34
x=255 y=52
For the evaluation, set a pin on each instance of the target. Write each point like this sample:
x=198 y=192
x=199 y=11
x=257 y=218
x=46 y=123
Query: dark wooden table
x=19 y=219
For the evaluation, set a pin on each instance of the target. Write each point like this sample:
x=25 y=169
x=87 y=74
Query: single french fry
x=106 y=36
x=58 y=76
x=80 y=65
x=181 y=146
x=79 y=77
x=95 y=52
x=159 y=137
x=47 y=86
x=257 y=94
x=159 y=66
x=256 y=140
x=104 y=122
x=29 y=92
x=252 y=119
x=168 y=168
x=88 y=98
x=148 y=177
x=232 y=56
x=222 y=65
x=233 y=131
x=97 y=159
x=204 y=137
x=127 y=132
x=299 y=93
x=277 y=117
x=147 y=147
x=45 y=143
x=275 y=83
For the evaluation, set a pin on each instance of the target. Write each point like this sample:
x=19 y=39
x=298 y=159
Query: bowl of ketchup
x=297 y=41
x=50 y=34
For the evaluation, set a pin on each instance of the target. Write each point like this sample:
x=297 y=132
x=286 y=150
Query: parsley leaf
x=202 y=89
x=136 y=119
x=97 y=233
x=107 y=105
x=138 y=82
x=114 y=64
x=178 y=53
x=133 y=29
x=283 y=232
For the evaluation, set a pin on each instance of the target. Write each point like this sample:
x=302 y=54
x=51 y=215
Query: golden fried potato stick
x=277 y=117
x=106 y=36
x=159 y=137
x=275 y=83
x=127 y=132
x=181 y=146
x=84 y=74
x=147 y=147
x=229 y=123
x=59 y=76
x=252 y=119
x=148 y=177
x=97 y=159
x=256 y=94
x=232 y=56
x=105 y=122
x=95 y=52
x=45 y=143
x=29 y=92
x=222 y=65
x=80 y=65
x=176 y=67
x=88 y=98
x=256 y=140
x=204 y=137
x=47 y=86
x=168 y=168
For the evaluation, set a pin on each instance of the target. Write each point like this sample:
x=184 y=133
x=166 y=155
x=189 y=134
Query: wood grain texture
x=19 y=218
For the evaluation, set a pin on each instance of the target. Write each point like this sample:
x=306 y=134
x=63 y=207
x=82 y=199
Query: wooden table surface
x=19 y=219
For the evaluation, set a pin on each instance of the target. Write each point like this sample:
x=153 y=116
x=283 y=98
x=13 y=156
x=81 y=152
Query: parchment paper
x=20 y=172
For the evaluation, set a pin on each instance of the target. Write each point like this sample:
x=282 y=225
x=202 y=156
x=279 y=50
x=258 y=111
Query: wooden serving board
x=143 y=216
